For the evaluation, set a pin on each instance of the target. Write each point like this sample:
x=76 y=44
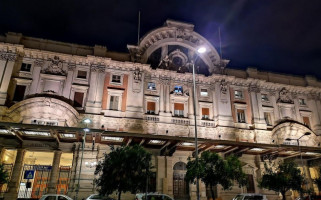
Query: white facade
x=149 y=92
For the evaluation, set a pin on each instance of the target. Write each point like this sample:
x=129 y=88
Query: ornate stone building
x=144 y=97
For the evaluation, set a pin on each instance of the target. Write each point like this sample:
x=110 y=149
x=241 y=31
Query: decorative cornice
x=8 y=56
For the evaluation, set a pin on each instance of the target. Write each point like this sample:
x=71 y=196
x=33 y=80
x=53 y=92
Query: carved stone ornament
x=223 y=86
x=71 y=66
x=55 y=67
x=8 y=56
x=137 y=75
x=254 y=88
x=38 y=63
x=285 y=96
x=97 y=68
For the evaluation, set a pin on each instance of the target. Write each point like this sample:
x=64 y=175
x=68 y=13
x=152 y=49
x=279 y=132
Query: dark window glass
x=19 y=93
x=25 y=67
x=78 y=99
x=82 y=74
x=115 y=79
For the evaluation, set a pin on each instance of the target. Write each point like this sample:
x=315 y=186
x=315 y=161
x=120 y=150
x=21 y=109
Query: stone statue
x=223 y=87
x=285 y=96
x=164 y=63
x=54 y=67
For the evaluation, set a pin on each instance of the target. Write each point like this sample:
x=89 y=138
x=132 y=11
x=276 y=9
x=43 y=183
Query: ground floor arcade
x=39 y=163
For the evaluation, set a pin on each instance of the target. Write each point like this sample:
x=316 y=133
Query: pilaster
x=68 y=82
x=256 y=103
x=7 y=61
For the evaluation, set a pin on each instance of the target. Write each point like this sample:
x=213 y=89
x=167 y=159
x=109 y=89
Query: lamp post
x=200 y=51
x=86 y=121
x=298 y=141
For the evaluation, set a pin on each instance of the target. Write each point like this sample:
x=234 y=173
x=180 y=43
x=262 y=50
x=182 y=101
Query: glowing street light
x=200 y=50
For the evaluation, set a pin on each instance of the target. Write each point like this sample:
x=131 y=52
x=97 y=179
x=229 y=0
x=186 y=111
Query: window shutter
x=151 y=106
x=178 y=106
x=205 y=111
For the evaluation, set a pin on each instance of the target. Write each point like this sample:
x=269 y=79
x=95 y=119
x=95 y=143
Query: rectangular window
x=204 y=93
x=238 y=94
x=82 y=74
x=267 y=117
x=113 y=104
x=19 y=93
x=151 y=107
x=151 y=86
x=265 y=97
x=240 y=116
x=302 y=102
x=205 y=113
x=78 y=99
x=178 y=109
x=178 y=89
x=116 y=79
x=25 y=67
x=306 y=121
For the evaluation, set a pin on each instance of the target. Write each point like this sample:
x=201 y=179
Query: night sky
x=271 y=35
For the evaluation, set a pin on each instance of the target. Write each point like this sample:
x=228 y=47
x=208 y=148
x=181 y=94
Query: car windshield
x=254 y=197
x=238 y=197
x=153 y=197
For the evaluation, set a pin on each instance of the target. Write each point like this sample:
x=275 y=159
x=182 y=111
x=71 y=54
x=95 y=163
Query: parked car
x=250 y=196
x=312 y=197
x=98 y=197
x=153 y=196
x=55 y=197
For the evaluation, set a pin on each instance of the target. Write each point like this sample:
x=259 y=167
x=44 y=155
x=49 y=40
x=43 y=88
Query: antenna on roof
x=138 y=28
x=219 y=37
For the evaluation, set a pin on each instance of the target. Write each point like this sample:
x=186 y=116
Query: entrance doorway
x=250 y=184
x=180 y=185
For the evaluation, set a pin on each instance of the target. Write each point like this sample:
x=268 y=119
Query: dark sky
x=272 y=35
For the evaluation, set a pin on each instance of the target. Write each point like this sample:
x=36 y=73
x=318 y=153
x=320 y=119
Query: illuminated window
x=151 y=107
x=265 y=97
x=151 y=86
x=205 y=113
x=306 y=121
x=82 y=74
x=67 y=135
x=178 y=89
x=25 y=67
x=204 y=92
x=112 y=139
x=240 y=116
x=238 y=94
x=113 y=104
x=37 y=133
x=302 y=102
x=116 y=79
x=178 y=110
x=267 y=117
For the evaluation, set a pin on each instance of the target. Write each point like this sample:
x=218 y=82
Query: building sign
x=42 y=167
x=29 y=174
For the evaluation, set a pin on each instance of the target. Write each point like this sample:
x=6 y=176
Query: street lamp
x=200 y=50
x=85 y=121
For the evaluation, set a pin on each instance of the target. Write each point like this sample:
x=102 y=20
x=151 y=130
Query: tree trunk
x=212 y=191
x=119 y=194
x=283 y=195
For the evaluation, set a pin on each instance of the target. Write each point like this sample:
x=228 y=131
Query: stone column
x=35 y=76
x=69 y=80
x=161 y=98
x=52 y=186
x=96 y=86
x=315 y=120
x=16 y=176
x=7 y=61
x=160 y=174
x=167 y=100
x=256 y=105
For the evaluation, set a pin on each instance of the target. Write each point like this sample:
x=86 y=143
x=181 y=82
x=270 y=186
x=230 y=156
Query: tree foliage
x=212 y=169
x=124 y=169
x=282 y=178
x=4 y=175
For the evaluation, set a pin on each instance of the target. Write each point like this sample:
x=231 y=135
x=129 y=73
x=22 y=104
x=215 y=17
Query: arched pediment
x=43 y=108
x=293 y=130
x=175 y=36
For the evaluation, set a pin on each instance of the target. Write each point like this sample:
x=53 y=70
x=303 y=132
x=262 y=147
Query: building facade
x=145 y=97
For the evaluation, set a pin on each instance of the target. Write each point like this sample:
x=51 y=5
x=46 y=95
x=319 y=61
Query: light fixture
x=219 y=146
x=86 y=129
x=201 y=50
x=87 y=121
x=156 y=142
x=257 y=149
x=187 y=144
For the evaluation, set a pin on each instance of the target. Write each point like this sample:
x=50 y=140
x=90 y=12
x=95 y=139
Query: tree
x=212 y=169
x=317 y=181
x=124 y=169
x=4 y=175
x=281 y=179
